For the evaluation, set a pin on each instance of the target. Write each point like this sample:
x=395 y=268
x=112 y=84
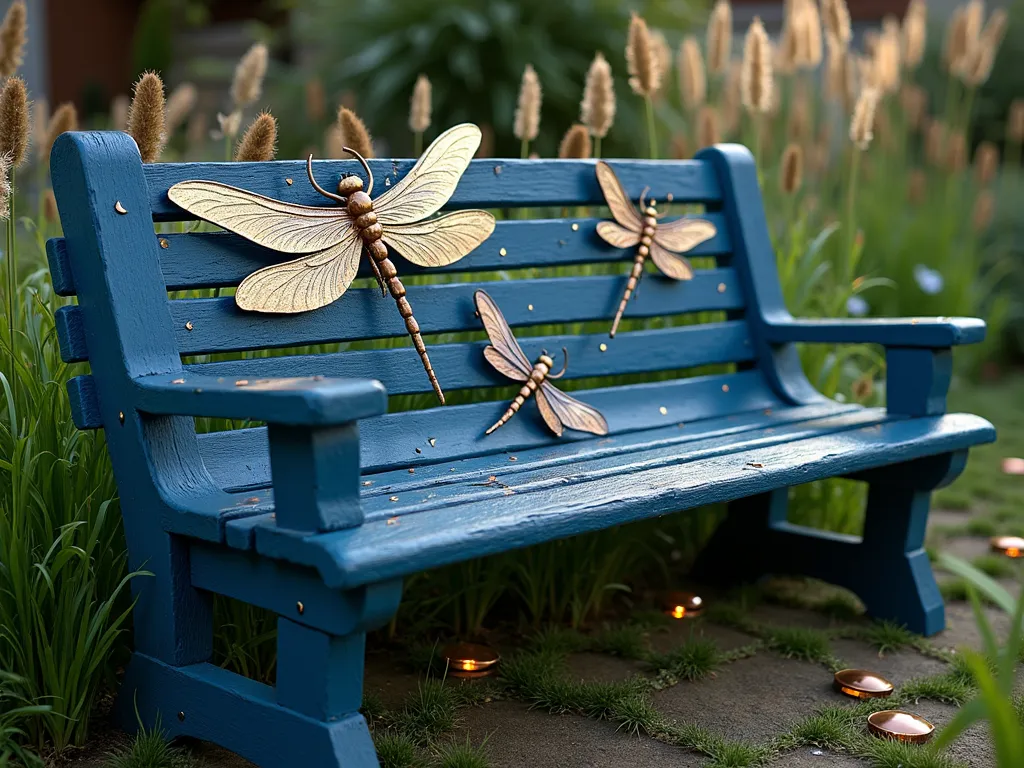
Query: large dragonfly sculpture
x=330 y=241
x=504 y=353
x=662 y=242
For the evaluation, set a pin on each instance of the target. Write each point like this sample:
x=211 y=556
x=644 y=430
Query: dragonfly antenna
x=366 y=167
x=565 y=364
x=317 y=187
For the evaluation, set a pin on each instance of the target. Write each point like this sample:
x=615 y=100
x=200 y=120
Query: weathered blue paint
x=320 y=515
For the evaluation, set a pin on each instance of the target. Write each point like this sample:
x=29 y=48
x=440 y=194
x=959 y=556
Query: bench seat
x=441 y=516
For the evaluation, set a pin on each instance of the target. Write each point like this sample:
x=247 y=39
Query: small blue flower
x=856 y=306
x=928 y=280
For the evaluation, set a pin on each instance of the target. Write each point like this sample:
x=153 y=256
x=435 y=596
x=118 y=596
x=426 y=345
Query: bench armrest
x=921 y=332
x=308 y=402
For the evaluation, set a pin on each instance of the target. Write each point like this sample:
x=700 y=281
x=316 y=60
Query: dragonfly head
x=546 y=359
x=349 y=185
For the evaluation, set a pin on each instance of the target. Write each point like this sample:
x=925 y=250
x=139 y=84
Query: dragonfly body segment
x=650 y=222
x=540 y=372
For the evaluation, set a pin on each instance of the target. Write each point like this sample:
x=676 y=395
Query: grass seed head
x=597 y=110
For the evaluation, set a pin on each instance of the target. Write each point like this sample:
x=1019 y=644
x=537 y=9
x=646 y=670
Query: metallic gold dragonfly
x=331 y=240
x=558 y=409
x=655 y=240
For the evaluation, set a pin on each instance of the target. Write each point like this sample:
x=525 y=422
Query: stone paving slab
x=518 y=737
x=896 y=667
x=679 y=632
x=961 y=629
x=973 y=747
x=601 y=668
x=811 y=757
x=752 y=699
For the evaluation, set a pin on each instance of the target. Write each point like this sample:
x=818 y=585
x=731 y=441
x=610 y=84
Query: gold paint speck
x=512 y=458
x=289 y=182
x=721 y=287
x=412 y=471
x=725 y=387
x=393 y=498
x=120 y=416
x=189 y=326
x=181 y=716
x=392 y=521
x=530 y=307
x=164 y=243
x=367 y=483
x=670 y=197
x=178 y=381
x=497 y=170
x=419 y=450
x=502 y=252
x=603 y=347
x=432 y=441
x=300 y=608
x=575 y=227
x=241 y=382
x=120 y=208
x=663 y=410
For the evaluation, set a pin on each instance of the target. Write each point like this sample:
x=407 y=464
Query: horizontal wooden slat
x=462 y=366
x=218 y=259
x=485 y=184
x=218 y=325
x=240 y=459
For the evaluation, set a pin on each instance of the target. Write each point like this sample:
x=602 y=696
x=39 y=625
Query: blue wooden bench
x=320 y=515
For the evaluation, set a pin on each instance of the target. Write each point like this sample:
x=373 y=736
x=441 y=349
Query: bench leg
x=887 y=567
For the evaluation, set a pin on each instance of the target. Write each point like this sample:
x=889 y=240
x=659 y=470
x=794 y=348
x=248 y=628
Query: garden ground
x=747 y=683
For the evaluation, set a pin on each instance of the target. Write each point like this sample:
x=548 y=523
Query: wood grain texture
x=376 y=550
x=929 y=332
x=485 y=184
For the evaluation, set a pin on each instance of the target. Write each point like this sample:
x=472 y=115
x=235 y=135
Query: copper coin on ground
x=1011 y=546
x=470 y=659
x=862 y=684
x=683 y=605
x=901 y=726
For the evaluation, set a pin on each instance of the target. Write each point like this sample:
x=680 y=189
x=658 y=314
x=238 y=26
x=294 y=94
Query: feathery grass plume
x=247 y=84
x=784 y=55
x=863 y=119
x=14 y=127
x=955 y=44
x=708 y=131
x=316 y=101
x=914 y=102
x=40 y=123
x=681 y=147
x=978 y=65
x=956 y=152
x=792 y=176
x=5 y=188
x=597 y=110
x=180 y=104
x=663 y=55
x=886 y=64
x=63 y=120
x=230 y=124
x=917 y=186
x=258 y=143
x=986 y=163
x=1015 y=122
x=808 y=44
x=719 y=37
x=146 y=116
x=333 y=142
x=756 y=74
x=836 y=17
x=914 y=32
x=354 y=132
x=419 y=105
x=693 y=82
x=641 y=59
x=527 y=118
x=935 y=137
x=13 y=38
x=984 y=210
x=798 y=122
x=575 y=144
x=119 y=112
x=50 y=212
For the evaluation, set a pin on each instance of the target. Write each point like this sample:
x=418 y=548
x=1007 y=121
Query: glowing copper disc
x=683 y=605
x=470 y=659
x=901 y=726
x=1011 y=546
x=862 y=684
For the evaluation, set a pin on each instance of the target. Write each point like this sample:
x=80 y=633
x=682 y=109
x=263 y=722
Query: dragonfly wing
x=673 y=265
x=622 y=208
x=617 y=236
x=440 y=241
x=683 y=235
x=285 y=227
x=512 y=368
x=572 y=413
x=550 y=417
x=432 y=180
x=309 y=282
x=499 y=332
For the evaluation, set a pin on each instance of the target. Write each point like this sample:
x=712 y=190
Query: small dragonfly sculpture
x=662 y=242
x=504 y=353
x=332 y=240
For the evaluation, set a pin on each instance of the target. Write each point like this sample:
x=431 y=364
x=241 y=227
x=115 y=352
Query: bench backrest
x=126 y=323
